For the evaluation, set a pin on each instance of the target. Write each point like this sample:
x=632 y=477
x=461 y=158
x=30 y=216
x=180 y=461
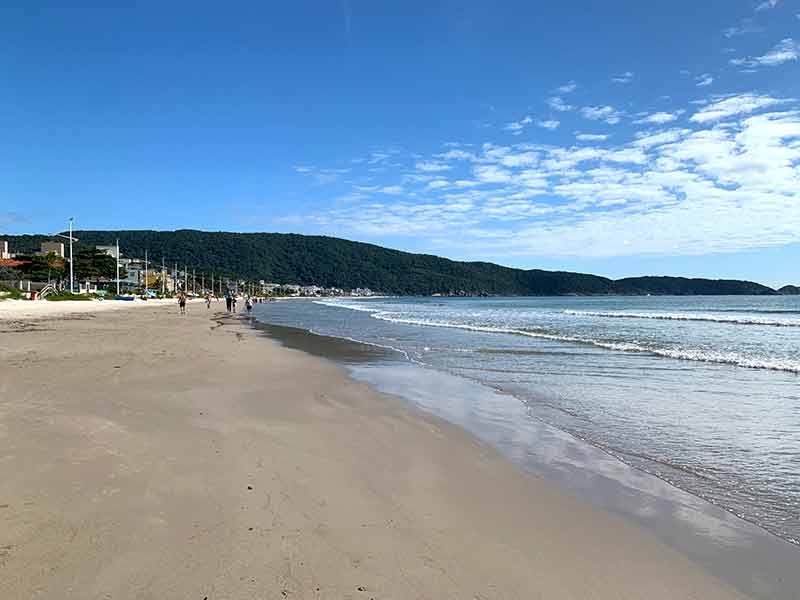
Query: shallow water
x=702 y=392
x=744 y=555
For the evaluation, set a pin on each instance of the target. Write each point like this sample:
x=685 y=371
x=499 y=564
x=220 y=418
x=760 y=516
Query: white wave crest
x=710 y=356
x=708 y=317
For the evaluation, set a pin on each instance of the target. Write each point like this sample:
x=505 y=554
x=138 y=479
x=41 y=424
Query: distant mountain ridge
x=335 y=262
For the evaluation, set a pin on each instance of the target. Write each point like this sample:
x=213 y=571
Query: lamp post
x=117 y=266
x=71 y=270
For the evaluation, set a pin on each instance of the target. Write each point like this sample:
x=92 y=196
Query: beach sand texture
x=147 y=455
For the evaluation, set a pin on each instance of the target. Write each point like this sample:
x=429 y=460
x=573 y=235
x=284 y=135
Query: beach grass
x=62 y=296
x=7 y=293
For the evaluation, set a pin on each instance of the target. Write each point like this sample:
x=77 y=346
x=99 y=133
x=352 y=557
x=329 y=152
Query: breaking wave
x=736 y=320
x=709 y=356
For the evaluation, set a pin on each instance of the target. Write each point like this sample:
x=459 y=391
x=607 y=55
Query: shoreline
x=735 y=549
x=132 y=451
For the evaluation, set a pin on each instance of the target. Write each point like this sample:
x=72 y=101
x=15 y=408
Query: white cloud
x=519 y=159
x=649 y=140
x=567 y=88
x=550 y=124
x=557 y=103
x=784 y=51
x=391 y=189
x=437 y=184
x=602 y=113
x=322 y=176
x=704 y=80
x=745 y=26
x=516 y=127
x=456 y=154
x=767 y=4
x=660 y=118
x=733 y=106
x=591 y=137
x=728 y=183
x=492 y=174
x=625 y=77
x=432 y=166
x=377 y=157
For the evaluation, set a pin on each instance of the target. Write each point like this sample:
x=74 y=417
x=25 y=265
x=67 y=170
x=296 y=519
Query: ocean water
x=702 y=392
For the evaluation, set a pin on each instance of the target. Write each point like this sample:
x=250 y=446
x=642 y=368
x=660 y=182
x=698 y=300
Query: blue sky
x=619 y=138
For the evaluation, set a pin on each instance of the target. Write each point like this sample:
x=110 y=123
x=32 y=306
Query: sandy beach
x=148 y=455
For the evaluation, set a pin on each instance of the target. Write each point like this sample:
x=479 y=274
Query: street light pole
x=71 y=271
x=117 y=266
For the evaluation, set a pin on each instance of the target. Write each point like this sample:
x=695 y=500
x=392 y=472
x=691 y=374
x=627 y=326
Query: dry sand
x=147 y=455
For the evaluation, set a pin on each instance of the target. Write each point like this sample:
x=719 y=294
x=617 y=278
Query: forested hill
x=333 y=262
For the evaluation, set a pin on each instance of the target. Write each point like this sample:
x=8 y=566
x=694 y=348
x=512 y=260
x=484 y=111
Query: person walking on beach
x=228 y=301
x=182 y=303
x=233 y=302
x=208 y=301
x=249 y=305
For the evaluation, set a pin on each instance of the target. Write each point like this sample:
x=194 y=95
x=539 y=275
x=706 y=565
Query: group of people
x=249 y=301
x=230 y=301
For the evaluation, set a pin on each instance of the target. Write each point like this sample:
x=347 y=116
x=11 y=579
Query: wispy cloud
x=660 y=118
x=557 y=103
x=651 y=140
x=709 y=188
x=732 y=106
x=767 y=4
x=432 y=166
x=625 y=77
x=591 y=137
x=704 y=80
x=321 y=176
x=745 y=26
x=567 y=88
x=602 y=113
x=784 y=51
x=550 y=124
x=347 y=13
x=8 y=218
x=516 y=127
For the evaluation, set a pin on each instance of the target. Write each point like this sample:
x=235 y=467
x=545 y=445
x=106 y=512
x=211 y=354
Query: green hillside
x=333 y=262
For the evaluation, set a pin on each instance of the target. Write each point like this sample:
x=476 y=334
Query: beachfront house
x=56 y=248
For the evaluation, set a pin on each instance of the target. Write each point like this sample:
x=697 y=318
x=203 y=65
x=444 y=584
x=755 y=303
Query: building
x=4 y=253
x=112 y=251
x=269 y=288
x=56 y=248
x=310 y=290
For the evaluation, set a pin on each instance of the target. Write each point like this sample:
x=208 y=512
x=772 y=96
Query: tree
x=92 y=264
x=46 y=267
x=7 y=273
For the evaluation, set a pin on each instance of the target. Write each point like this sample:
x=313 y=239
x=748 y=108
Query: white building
x=4 y=253
x=56 y=248
x=112 y=251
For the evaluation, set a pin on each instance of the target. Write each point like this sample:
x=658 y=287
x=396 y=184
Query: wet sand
x=147 y=455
